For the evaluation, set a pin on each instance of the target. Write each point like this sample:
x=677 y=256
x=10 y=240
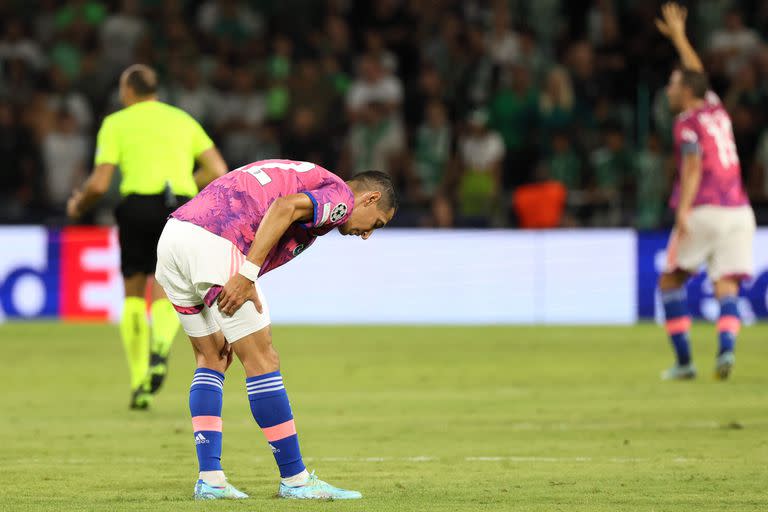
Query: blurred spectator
x=475 y=85
x=373 y=85
x=432 y=152
x=540 y=205
x=734 y=43
x=503 y=43
x=304 y=140
x=80 y=12
x=610 y=59
x=481 y=152
x=556 y=104
x=65 y=97
x=744 y=90
x=564 y=164
x=612 y=174
x=65 y=153
x=428 y=88
x=531 y=55
x=653 y=178
x=309 y=89
x=581 y=64
x=120 y=32
x=44 y=24
x=232 y=21
x=239 y=112
x=17 y=152
x=191 y=94
x=16 y=45
x=336 y=41
x=375 y=47
x=376 y=140
x=513 y=114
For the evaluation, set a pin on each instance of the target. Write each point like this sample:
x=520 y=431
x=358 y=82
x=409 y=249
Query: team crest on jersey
x=339 y=211
x=298 y=250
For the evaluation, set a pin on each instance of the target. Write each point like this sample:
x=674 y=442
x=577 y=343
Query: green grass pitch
x=417 y=418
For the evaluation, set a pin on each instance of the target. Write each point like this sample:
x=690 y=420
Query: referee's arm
x=212 y=166
x=94 y=187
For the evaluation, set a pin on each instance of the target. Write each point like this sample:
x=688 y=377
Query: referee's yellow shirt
x=154 y=144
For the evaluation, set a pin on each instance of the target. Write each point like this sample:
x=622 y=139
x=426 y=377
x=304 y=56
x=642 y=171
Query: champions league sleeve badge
x=338 y=212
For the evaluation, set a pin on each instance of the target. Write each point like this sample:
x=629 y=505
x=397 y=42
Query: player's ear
x=373 y=197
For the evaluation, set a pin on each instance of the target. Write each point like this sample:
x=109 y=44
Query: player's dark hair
x=381 y=181
x=141 y=79
x=696 y=81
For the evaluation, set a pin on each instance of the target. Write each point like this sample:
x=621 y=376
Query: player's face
x=366 y=217
x=675 y=91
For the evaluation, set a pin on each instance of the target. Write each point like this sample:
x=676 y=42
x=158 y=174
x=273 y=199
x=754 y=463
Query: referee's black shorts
x=140 y=220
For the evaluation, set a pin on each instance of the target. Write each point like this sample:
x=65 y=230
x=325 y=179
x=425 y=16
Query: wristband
x=249 y=270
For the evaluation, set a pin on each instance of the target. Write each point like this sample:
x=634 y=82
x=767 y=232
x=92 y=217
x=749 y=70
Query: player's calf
x=677 y=319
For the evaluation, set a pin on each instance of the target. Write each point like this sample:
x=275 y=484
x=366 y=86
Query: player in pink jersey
x=714 y=223
x=211 y=252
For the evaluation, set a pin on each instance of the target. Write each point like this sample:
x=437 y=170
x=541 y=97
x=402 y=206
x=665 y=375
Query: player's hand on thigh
x=234 y=294
x=227 y=353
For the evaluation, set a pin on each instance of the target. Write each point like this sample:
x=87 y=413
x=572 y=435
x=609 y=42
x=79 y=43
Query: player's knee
x=671 y=280
x=726 y=286
x=257 y=353
x=212 y=362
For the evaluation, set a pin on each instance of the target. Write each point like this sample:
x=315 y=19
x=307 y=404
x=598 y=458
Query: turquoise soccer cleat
x=316 y=489
x=203 y=491
x=678 y=372
x=724 y=365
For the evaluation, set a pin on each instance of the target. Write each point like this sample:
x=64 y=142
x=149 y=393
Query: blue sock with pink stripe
x=272 y=411
x=205 y=400
x=678 y=323
x=729 y=324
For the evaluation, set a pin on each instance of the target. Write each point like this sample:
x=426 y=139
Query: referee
x=156 y=147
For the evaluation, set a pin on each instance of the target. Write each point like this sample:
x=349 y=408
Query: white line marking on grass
x=528 y=459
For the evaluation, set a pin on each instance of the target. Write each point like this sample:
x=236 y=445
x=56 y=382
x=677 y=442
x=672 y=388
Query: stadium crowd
x=530 y=113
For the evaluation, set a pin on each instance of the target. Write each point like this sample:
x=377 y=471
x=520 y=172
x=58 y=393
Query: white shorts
x=719 y=236
x=192 y=266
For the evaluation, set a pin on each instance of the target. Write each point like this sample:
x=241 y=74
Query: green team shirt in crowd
x=153 y=144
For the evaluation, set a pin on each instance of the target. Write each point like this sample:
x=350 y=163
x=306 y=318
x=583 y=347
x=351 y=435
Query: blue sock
x=729 y=324
x=272 y=411
x=678 y=323
x=205 y=400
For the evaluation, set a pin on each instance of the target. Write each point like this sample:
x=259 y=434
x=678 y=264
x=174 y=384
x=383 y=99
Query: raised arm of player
x=672 y=25
x=212 y=166
x=283 y=212
x=690 y=179
x=94 y=187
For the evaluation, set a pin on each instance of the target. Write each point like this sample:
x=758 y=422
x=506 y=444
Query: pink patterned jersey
x=233 y=205
x=707 y=131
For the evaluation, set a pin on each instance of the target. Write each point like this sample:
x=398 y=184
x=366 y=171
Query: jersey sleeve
x=712 y=98
x=200 y=140
x=687 y=138
x=332 y=205
x=107 y=148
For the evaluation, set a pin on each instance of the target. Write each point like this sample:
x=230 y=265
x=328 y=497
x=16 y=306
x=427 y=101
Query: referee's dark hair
x=381 y=181
x=142 y=80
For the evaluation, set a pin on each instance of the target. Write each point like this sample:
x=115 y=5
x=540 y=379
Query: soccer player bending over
x=714 y=221
x=209 y=258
